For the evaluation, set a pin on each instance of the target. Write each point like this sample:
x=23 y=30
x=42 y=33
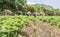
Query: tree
x=7 y=4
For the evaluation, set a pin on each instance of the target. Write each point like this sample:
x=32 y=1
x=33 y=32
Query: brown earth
x=40 y=29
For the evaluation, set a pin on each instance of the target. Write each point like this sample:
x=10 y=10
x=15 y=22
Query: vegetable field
x=54 y=20
x=9 y=25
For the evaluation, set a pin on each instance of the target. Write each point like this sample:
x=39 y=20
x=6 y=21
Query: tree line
x=20 y=7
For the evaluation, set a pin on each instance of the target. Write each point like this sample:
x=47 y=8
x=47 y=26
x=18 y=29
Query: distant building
x=28 y=13
x=34 y=14
x=42 y=14
x=7 y=12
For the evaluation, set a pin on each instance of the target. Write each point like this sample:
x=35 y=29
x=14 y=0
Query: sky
x=53 y=3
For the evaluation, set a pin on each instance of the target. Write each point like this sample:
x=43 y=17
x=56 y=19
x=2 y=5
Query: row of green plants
x=9 y=25
x=54 y=20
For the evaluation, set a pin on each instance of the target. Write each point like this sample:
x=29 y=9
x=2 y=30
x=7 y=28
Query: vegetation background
x=18 y=19
x=21 y=7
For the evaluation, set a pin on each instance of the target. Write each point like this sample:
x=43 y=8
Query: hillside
x=30 y=26
x=18 y=19
x=42 y=5
x=47 y=9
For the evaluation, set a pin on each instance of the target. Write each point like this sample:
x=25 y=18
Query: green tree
x=12 y=3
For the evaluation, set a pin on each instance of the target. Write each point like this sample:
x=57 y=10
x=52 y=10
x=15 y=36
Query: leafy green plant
x=54 y=20
x=11 y=24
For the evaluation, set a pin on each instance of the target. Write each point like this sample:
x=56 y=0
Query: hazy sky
x=53 y=3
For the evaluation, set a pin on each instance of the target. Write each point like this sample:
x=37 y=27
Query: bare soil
x=40 y=29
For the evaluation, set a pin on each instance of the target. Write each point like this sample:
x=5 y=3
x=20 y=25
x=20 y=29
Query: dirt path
x=40 y=29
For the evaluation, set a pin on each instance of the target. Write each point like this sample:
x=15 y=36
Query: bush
x=9 y=25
